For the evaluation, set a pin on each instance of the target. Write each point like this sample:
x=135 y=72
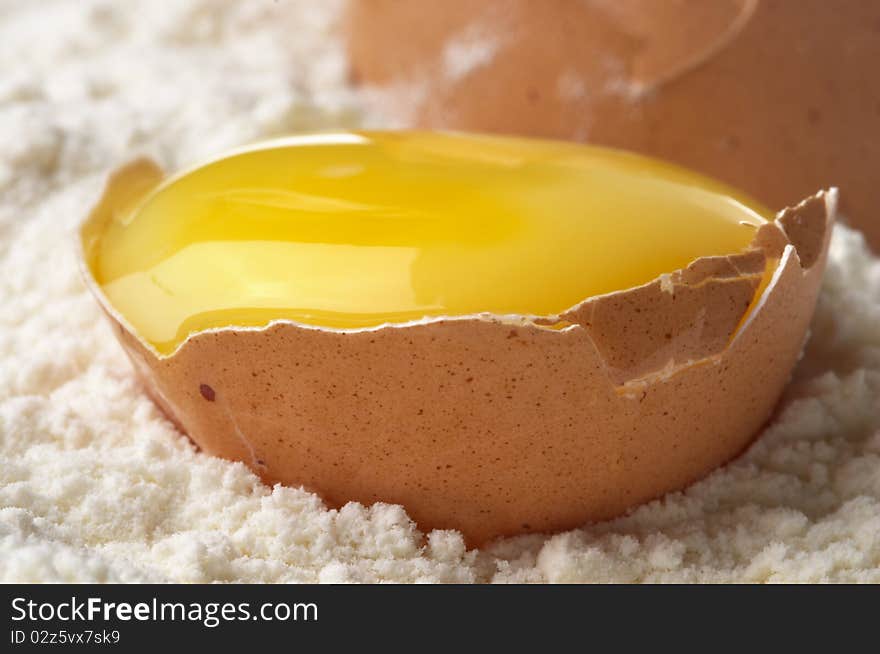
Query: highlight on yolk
x=357 y=229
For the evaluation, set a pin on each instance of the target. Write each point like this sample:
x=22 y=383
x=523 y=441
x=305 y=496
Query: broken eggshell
x=775 y=97
x=500 y=425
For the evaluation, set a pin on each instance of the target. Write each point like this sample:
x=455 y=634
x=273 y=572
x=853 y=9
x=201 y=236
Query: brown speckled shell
x=777 y=97
x=495 y=426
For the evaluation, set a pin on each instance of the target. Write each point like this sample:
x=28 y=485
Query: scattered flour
x=96 y=486
x=471 y=50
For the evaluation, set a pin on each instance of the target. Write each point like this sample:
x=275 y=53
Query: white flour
x=96 y=486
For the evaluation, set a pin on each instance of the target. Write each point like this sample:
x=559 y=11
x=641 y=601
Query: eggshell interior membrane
x=777 y=97
x=497 y=425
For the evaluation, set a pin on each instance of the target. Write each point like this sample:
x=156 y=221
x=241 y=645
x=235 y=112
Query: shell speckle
x=207 y=392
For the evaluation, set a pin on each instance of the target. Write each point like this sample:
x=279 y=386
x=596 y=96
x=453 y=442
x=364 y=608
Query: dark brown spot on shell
x=207 y=392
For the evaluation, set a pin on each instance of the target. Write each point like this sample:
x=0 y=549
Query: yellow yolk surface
x=357 y=229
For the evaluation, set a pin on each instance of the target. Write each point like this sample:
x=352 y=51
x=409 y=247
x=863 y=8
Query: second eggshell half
x=500 y=425
x=776 y=97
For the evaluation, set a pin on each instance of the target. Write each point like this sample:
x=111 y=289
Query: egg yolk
x=357 y=229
